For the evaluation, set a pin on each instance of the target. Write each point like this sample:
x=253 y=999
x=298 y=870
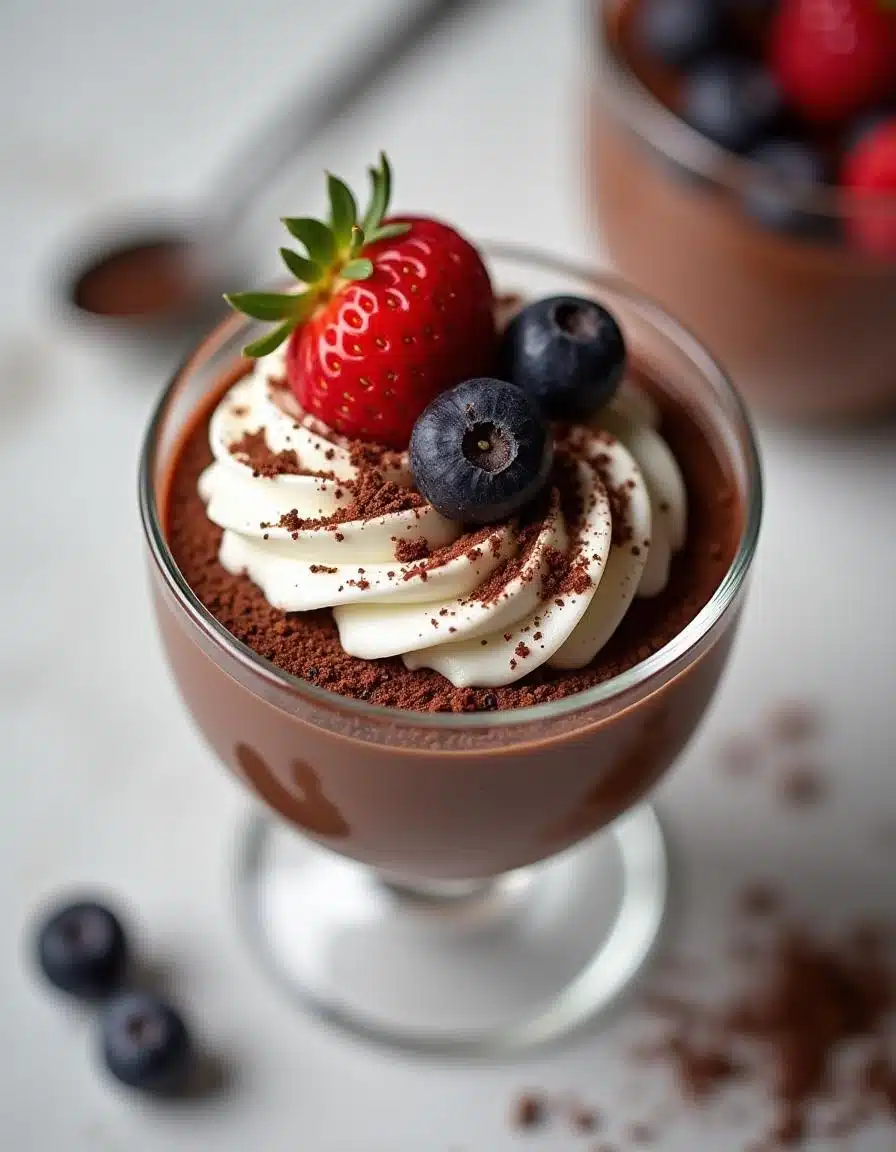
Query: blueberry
x=481 y=452
x=567 y=353
x=731 y=101
x=82 y=949
x=145 y=1042
x=677 y=32
x=777 y=196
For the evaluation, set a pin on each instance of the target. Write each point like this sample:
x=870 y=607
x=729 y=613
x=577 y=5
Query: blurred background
x=110 y=106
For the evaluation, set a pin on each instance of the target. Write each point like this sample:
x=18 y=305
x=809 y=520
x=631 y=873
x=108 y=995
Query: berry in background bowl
x=742 y=171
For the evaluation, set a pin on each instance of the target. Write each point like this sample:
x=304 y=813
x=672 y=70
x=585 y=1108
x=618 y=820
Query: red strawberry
x=870 y=173
x=834 y=57
x=396 y=312
x=370 y=360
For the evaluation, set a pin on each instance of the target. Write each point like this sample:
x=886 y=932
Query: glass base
x=457 y=968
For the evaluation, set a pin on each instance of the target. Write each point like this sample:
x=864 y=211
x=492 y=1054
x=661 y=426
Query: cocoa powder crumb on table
x=584 y=1119
x=795 y=1017
x=802 y=786
x=759 y=899
x=703 y=1068
x=529 y=1111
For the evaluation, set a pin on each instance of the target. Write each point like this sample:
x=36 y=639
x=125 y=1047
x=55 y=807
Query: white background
x=104 y=781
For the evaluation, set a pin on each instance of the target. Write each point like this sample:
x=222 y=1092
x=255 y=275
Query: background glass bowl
x=804 y=323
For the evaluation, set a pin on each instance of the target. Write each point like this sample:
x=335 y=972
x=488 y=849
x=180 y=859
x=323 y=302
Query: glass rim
x=639 y=674
x=673 y=138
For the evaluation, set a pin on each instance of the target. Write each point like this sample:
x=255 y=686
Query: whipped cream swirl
x=483 y=608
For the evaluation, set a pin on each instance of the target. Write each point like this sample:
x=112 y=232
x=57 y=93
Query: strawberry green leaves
x=388 y=231
x=290 y=308
x=333 y=254
x=305 y=271
x=380 y=194
x=317 y=238
x=264 y=305
x=343 y=212
x=269 y=343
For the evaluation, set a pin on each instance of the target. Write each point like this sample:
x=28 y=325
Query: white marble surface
x=105 y=783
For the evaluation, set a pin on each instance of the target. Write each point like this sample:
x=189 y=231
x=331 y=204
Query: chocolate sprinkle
x=253 y=451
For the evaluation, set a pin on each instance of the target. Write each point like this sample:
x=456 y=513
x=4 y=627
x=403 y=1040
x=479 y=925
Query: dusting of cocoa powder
x=492 y=588
x=252 y=450
x=412 y=549
x=307 y=645
x=620 y=500
x=806 y=1004
x=372 y=498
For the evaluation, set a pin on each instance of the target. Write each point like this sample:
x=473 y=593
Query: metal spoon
x=166 y=272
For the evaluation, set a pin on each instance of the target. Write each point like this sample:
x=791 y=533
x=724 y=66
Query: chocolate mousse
x=369 y=510
x=744 y=175
x=306 y=644
x=412 y=497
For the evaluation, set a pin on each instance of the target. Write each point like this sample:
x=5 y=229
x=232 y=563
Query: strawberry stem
x=333 y=256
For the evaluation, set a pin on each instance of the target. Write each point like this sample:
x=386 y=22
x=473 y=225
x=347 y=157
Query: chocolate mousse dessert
x=421 y=496
x=447 y=578
x=742 y=156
